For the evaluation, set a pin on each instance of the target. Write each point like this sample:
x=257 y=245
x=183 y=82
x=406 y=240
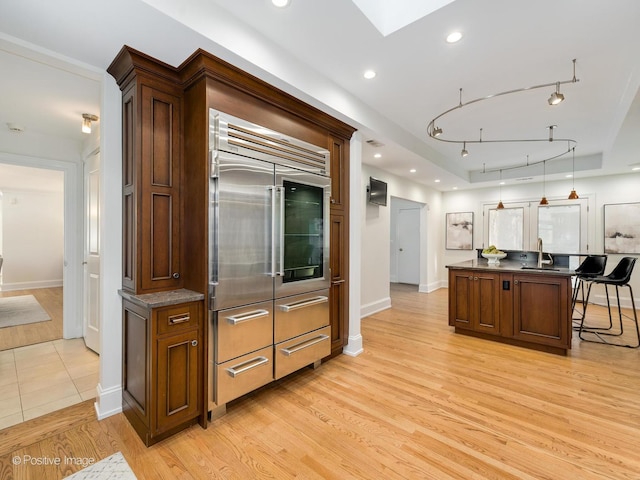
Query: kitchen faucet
x=540 y=261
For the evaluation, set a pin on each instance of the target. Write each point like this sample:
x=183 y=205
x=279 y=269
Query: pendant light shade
x=500 y=205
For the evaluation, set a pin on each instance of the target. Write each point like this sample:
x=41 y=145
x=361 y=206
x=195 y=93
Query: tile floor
x=45 y=377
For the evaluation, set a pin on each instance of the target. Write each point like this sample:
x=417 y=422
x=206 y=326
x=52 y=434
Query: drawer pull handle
x=304 y=303
x=338 y=282
x=246 y=366
x=302 y=345
x=243 y=317
x=180 y=318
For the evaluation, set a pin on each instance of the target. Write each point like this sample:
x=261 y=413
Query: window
x=562 y=225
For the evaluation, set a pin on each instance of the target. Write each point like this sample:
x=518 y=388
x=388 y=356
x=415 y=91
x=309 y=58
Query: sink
x=540 y=269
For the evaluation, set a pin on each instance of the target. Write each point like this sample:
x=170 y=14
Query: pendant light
x=500 y=204
x=543 y=200
x=573 y=195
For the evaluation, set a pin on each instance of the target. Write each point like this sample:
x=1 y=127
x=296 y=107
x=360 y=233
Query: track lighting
x=87 y=118
x=556 y=97
x=437 y=131
x=464 y=152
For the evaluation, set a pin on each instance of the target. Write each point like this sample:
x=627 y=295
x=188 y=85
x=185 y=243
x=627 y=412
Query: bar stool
x=592 y=266
x=619 y=277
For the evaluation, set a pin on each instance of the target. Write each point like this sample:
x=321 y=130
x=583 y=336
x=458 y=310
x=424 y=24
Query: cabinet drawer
x=177 y=318
x=242 y=375
x=300 y=314
x=242 y=330
x=301 y=351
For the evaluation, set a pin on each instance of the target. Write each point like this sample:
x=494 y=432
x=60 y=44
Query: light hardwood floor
x=420 y=403
x=21 y=335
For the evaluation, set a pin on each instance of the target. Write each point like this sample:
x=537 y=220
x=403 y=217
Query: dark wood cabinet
x=338 y=294
x=162 y=364
x=151 y=171
x=474 y=302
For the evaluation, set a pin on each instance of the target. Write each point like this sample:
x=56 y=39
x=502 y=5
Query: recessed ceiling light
x=377 y=155
x=454 y=37
x=280 y=3
x=413 y=170
x=455 y=188
x=369 y=74
x=437 y=180
x=568 y=176
x=502 y=183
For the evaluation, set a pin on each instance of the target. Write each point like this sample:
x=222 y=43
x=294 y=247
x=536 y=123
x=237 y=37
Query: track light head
x=464 y=151
x=437 y=131
x=556 y=97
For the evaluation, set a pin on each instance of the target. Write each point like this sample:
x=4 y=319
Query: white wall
x=598 y=190
x=33 y=239
x=376 y=234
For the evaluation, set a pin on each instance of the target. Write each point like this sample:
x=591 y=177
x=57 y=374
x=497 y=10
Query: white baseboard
x=431 y=287
x=374 y=307
x=8 y=287
x=354 y=346
x=625 y=301
x=108 y=401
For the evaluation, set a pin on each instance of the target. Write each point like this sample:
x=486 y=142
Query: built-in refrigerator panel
x=242 y=196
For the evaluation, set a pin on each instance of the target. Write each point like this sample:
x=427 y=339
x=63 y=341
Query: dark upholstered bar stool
x=619 y=277
x=592 y=266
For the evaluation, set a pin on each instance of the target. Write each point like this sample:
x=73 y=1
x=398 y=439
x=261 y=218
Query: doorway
x=405 y=241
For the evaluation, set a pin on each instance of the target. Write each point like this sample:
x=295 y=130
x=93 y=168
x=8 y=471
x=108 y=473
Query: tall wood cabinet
x=165 y=113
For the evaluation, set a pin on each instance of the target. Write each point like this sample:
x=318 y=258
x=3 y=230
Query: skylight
x=387 y=17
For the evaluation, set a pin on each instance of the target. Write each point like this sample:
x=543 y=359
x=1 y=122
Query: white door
x=91 y=326
x=408 y=244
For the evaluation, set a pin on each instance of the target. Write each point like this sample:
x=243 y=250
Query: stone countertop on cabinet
x=512 y=266
x=162 y=299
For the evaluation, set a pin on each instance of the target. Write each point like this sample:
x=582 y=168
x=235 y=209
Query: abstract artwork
x=622 y=228
x=459 y=231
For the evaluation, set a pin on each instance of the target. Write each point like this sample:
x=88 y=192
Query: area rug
x=21 y=310
x=114 y=467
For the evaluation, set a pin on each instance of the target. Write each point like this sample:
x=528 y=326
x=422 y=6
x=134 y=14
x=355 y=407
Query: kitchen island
x=512 y=302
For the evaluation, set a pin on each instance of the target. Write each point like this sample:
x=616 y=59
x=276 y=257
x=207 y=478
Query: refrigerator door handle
x=308 y=302
x=280 y=195
x=272 y=266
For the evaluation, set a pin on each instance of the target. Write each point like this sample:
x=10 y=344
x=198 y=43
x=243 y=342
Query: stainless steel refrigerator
x=269 y=256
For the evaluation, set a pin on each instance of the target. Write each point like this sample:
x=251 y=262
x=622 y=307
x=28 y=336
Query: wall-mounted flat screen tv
x=377 y=192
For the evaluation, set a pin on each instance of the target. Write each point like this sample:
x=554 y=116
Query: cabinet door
x=339 y=149
x=159 y=221
x=177 y=379
x=542 y=309
x=486 y=302
x=461 y=298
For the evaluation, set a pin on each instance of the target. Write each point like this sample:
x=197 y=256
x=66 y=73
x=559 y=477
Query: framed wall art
x=459 y=231
x=622 y=228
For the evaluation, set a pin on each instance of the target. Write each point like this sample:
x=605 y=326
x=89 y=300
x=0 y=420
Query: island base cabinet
x=529 y=310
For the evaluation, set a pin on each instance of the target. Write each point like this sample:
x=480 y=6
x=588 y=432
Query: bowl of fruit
x=493 y=255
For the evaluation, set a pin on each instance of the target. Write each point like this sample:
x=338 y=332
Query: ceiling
x=318 y=51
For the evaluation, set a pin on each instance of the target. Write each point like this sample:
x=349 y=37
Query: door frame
x=72 y=257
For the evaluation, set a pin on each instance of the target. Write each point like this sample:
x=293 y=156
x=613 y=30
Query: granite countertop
x=507 y=265
x=162 y=299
